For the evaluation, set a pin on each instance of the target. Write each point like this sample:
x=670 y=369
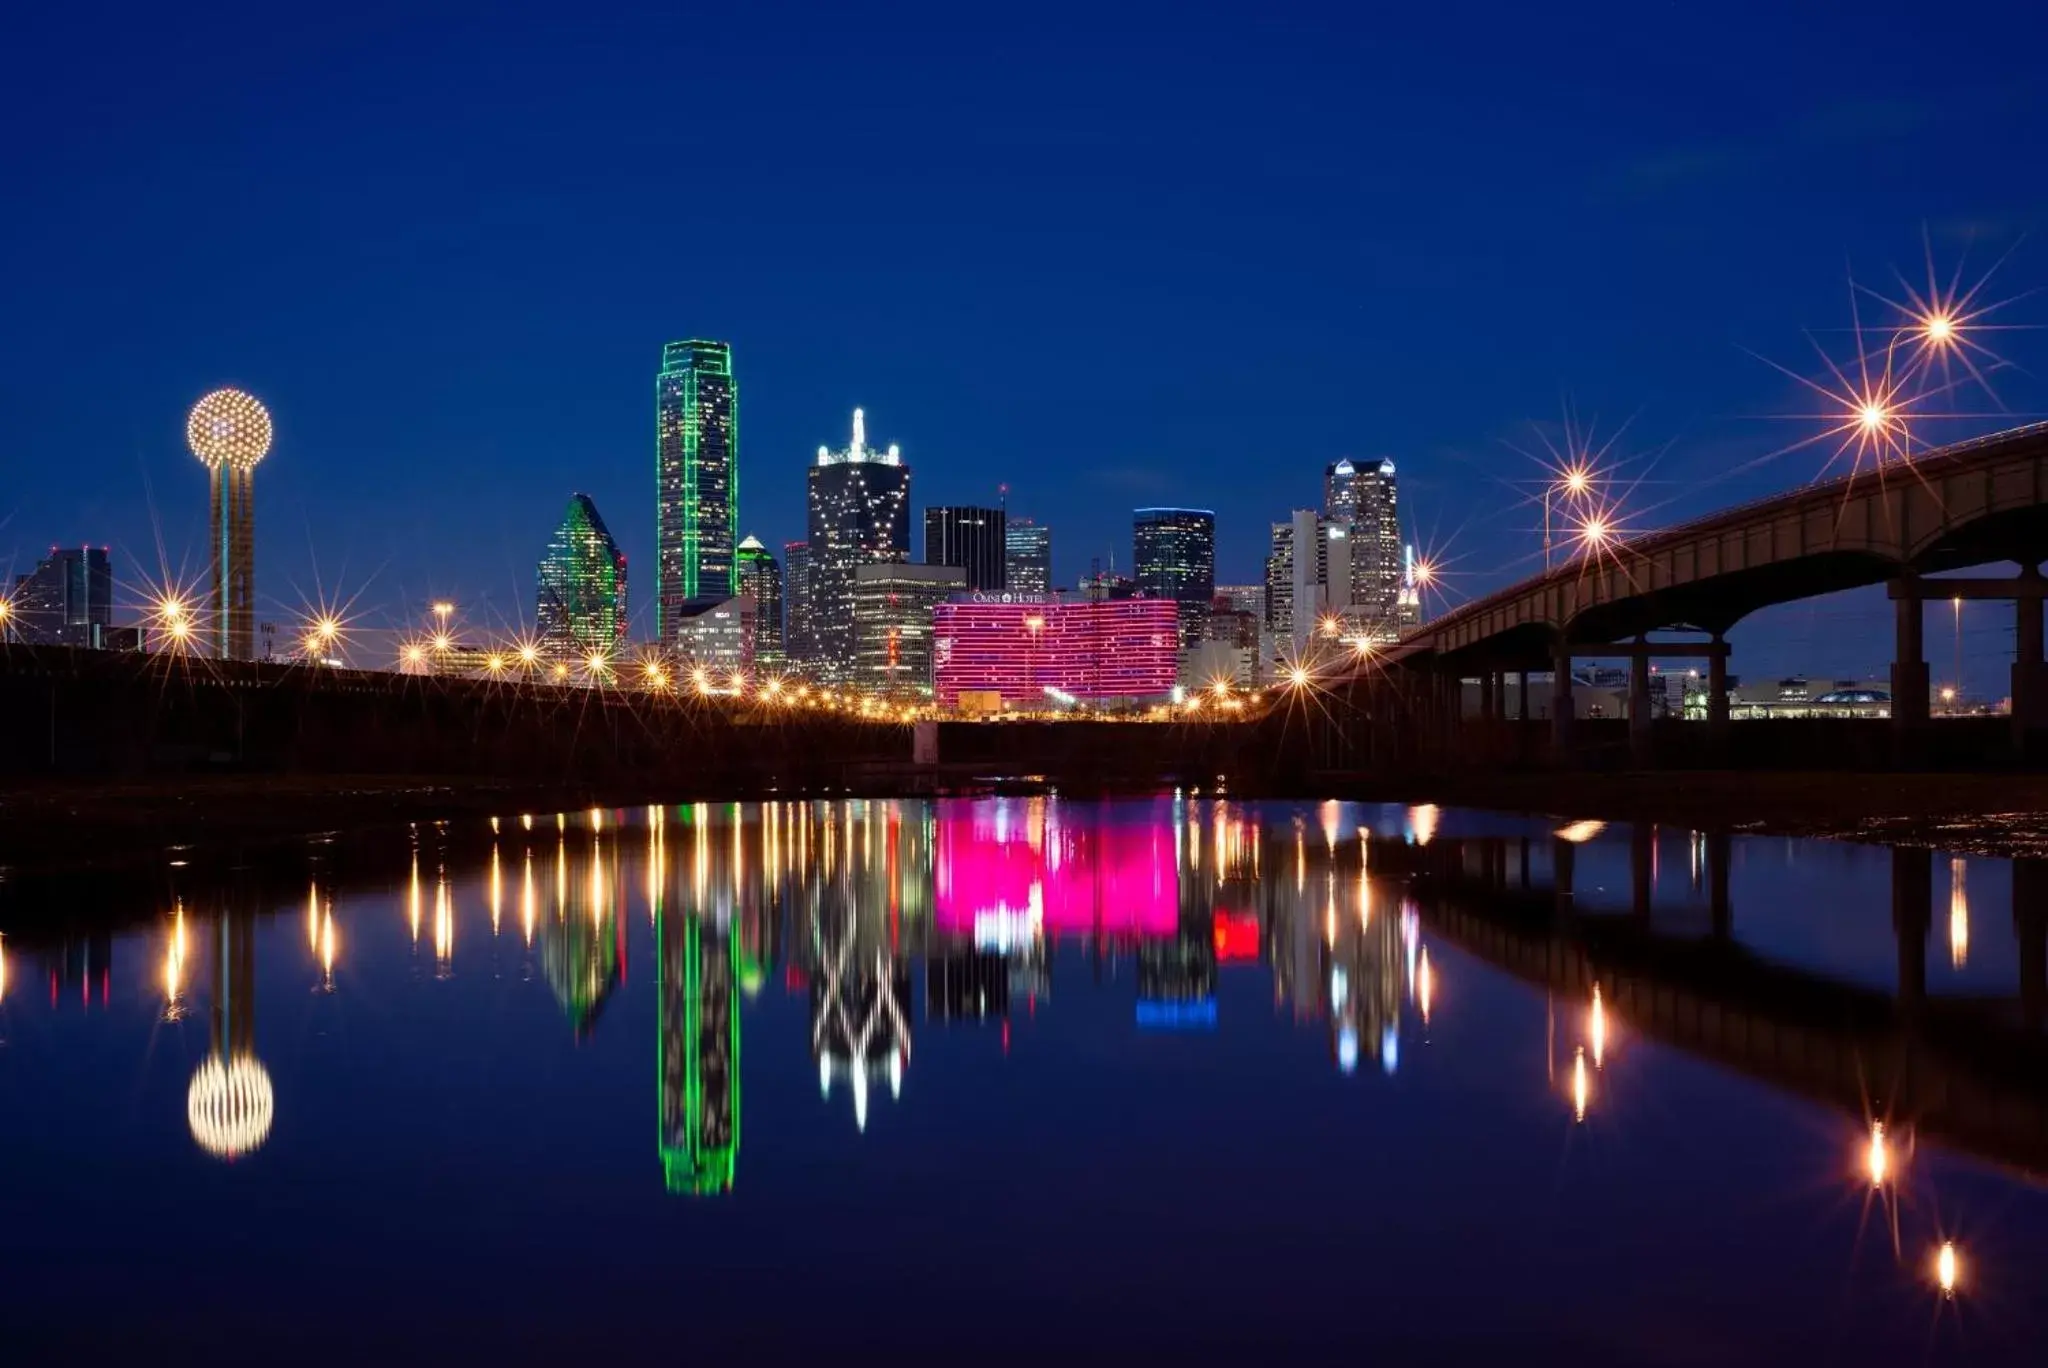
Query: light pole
x=1574 y=481
x=1958 y=675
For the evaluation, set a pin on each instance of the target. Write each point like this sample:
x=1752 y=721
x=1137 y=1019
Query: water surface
x=989 y=1079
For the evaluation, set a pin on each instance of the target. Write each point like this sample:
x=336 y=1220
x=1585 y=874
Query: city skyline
x=451 y=392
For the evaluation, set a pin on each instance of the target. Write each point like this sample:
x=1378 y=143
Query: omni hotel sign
x=979 y=597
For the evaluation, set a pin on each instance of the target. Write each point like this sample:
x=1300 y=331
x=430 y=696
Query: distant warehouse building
x=1029 y=650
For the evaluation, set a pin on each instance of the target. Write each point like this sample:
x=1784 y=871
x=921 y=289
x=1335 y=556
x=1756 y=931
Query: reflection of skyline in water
x=846 y=905
x=931 y=966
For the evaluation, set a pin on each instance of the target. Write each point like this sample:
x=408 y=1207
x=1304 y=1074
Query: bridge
x=1970 y=504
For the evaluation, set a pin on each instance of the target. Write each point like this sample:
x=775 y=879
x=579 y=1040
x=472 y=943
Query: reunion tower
x=230 y=432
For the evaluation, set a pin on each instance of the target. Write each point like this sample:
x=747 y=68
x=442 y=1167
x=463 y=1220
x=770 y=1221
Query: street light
x=6 y=620
x=1575 y=482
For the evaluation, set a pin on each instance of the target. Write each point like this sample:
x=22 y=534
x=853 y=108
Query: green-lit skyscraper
x=581 y=603
x=696 y=472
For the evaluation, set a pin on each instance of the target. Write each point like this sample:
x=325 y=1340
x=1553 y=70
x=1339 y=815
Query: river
x=991 y=1079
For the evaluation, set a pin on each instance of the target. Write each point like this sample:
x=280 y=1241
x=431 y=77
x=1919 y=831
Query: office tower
x=892 y=615
x=797 y=641
x=1241 y=598
x=697 y=478
x=67 y=600
x=859 y=514
x=761 y=580
x=1279 y=587
x=1027 y=557
x=1100 y=586
x=580 y=605
x=1340 y=492
x=717 y=638
x=1296 y=580
x=229 y=432
x=1310 y=578
x=1173 y=551
x=1337 y=567
x=1376 y=543
x=974 y=539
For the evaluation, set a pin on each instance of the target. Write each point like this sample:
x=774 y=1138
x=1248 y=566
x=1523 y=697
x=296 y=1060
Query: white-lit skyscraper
x=1376 y=542
x=859 y=514
x=1027 y=562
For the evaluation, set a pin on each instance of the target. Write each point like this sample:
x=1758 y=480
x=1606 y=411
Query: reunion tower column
x=230 y=432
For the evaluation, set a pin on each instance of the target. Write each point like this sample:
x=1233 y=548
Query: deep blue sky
x=1110 y=254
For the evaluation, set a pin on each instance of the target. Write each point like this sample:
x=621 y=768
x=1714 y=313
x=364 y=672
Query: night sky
x=1112 y=255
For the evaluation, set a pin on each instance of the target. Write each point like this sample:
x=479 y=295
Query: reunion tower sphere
x=229 y=1107
x=228 y=426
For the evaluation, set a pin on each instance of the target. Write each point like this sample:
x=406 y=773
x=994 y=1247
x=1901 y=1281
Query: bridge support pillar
x=1489 y=695
x=2029 y=674
x=2030 y=926
x=1717 y=698
x=1909 y=671
x=1639 y=736
x=1522 y=699
x=1912 y=918
x=1561 y=702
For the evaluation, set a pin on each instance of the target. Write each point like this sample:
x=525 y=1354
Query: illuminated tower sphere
x=230 y=432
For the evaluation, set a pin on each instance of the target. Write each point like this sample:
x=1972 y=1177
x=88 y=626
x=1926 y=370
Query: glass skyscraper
x=859 y=514
x=796 y=611
x=1027 y=560
x=1174 y=557
x=696 y=470
x=970 y=539
x=1376 y=543
x=892 y=623
x=761 y=580
x=581 y=603
x=67 y=600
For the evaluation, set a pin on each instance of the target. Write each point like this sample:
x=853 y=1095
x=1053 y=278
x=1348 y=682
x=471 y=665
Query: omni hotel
x=1022 y=650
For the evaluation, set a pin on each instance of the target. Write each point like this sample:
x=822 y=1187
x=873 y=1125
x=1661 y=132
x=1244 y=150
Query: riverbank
x=51 y=828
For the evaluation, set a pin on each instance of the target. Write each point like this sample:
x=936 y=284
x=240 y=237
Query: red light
x=1237 y=938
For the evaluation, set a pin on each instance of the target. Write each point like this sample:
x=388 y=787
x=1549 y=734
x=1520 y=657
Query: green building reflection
x=698 y=1057
x=582 y=942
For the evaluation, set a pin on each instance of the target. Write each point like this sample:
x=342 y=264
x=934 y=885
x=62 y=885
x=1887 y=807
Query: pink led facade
x=1112 y=649
x=1013 y=871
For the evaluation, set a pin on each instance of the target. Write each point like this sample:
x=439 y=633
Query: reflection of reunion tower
x=229 y=1105
x=230 y=432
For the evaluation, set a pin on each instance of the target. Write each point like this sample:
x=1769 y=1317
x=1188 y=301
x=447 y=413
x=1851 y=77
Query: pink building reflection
x=1010 y=870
